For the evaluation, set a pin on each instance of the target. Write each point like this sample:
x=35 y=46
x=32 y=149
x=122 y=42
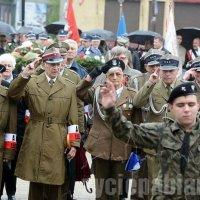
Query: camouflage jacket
x=166 y=138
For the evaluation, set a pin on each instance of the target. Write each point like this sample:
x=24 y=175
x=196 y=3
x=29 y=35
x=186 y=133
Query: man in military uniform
x=151 y=60
x=51 y=100
x=86 y=49
x=156 y=102
x=62 y=35
x=109 y=155
x=177 y=142
x=194 y=73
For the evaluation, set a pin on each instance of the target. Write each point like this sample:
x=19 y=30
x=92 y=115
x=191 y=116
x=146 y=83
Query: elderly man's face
x=116 y=76
x=151 y=68
x=185 y=109
x=157 y=44
x=52 y=69
x=168 y=76
x=9 y=68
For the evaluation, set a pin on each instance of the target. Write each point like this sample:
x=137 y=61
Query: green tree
x=53 y=11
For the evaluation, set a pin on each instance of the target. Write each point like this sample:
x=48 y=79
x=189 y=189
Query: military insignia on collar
x=183 y=89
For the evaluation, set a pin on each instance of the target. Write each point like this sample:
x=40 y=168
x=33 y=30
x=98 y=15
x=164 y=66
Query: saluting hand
x=30 y=68
x=154 y=78
x=108 y=95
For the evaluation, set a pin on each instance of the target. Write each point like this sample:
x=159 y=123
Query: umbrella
x=142 y=36
x=6 y=28
x=188 y=34
x=104 y=34
x=54 y=27
x=31 y=29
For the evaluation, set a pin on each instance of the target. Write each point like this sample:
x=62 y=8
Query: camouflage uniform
x=166 y=139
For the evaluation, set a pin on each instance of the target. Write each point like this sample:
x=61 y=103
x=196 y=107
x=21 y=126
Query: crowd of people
x=138 y=102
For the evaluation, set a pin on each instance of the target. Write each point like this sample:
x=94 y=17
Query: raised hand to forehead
x=108 y=95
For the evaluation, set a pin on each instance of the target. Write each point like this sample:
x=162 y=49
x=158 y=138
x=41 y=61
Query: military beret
x=195 y=64
x=169 y=62
x=62 y=32
x=152 y=57
x=184 y=89
x=85 y=36
x=52 y=55
x=113 y=63
x=122 y=40
x=2 y=68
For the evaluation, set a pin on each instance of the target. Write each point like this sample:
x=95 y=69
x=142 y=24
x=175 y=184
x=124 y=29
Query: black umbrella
x=54 y=27
x=141 y=37
x=103 y=34
x=31 y=29
x=6 y=28
x=188 y=34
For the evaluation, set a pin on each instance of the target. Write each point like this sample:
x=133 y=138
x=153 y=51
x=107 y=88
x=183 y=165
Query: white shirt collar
x=48 y=79
x=119 y=91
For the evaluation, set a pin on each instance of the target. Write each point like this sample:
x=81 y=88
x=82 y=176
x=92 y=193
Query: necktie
x=184 y=152
x=51 y=82
x=168 y=90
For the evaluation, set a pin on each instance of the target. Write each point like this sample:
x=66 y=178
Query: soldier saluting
x=51 y=100
x=177 y=141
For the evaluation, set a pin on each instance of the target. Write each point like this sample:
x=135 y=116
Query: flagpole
x=121 y=7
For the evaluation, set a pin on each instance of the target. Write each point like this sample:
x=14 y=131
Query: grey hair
x=117 y=50
x=8 y=57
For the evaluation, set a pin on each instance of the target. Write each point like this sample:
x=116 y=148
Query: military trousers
x=109 y=178
x=40 y=191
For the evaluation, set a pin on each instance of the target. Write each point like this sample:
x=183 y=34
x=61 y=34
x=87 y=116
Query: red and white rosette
x=10 y=141
x=73 y=135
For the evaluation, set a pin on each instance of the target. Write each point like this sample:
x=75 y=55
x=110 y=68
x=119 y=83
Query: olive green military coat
x=159 y=96
x=100 y=142
x=52 y=109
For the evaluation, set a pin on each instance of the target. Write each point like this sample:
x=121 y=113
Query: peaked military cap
x=2 y=68
x=113 y=63
x=62 y=32
x=152 y=57
x=195 y=64
x=169 y=62
x=184 y=89
x=43 y=36
x=85 y=36
x=31 y=36
x=52 y=55
x=96 y=37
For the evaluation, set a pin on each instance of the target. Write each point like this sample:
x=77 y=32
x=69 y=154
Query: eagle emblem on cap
x=193 y=87
x=183 y=89
x=114 y=62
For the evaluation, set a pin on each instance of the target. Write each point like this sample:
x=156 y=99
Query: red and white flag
x=71 y=21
